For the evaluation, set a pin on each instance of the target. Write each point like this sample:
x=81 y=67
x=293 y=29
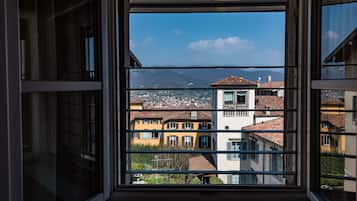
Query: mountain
x=149 y=78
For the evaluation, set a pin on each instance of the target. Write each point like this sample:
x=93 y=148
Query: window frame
x=290 y=59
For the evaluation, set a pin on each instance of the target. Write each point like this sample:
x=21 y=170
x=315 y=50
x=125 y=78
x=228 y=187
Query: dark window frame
x=290 y=59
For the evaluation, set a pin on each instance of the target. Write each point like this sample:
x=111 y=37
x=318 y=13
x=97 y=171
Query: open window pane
x=59 y=40
x=61 y=152
x=338 y=144
x=339 y=40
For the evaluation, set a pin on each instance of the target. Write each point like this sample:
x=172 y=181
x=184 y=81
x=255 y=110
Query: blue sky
x=338 y=21
x=207 y=39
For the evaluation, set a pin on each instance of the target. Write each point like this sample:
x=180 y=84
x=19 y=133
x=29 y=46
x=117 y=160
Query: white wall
x=234 y=123
x=264 y=163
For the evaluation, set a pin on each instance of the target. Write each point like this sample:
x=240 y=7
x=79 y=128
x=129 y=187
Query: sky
x=208 y=39
x=338 y=21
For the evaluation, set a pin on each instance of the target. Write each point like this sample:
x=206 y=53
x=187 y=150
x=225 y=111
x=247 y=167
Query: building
x=242 y=108
x=270 y=88
x=195 y=122
x=271 y=142
x=176 y=129
x=332 y=121
x=232 y=94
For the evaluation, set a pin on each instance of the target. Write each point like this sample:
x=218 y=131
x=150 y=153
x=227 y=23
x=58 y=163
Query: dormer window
x=228 y=98
x=204 y=125
x=241 y=97
x=172 y=125
x=187 y=125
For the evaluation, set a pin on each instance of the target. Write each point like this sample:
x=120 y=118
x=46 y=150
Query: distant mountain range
x=195 y=78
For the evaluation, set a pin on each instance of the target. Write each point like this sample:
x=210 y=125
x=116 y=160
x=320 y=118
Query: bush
x=215 y=180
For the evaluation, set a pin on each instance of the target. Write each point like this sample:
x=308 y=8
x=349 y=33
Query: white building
x=269 y=142
x=236 y=93
x=232 y=93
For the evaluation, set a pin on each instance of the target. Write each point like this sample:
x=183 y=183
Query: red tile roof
x=233 y=81
x=269 y=102
x=275 y=124
x=334 y=102
x=166 y=116
x=136 y=100
x=273 y=84
x=338 y=120
x=200 y=163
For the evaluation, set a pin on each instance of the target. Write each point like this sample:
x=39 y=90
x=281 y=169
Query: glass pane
x=339 y=40
x=338 y=144
x=59 y=40
x=61 y=136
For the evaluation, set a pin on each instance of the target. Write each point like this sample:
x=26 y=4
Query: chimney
x=258 y=81
x=269 y=78
x=193 y=115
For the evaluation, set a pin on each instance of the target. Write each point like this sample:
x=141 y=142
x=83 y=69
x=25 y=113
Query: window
x=188 y=77
x=187 y=125
x=241 y=97
x=146 y=135
x=235 y=179
x=334 y=150
x=187 y=141
x=204 y=142
x=204 y=125
x=62 y=104
x=276 y=163
x=233 y=146
x=254 y=146
x=325 y=124
x=172 y=125
x=228 y=98
x=172 y=141
x=326 y=140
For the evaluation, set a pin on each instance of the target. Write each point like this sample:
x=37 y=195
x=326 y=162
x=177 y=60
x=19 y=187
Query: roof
x=136 y=100
x=167 y=116
x=272 y=84
x=234 y=81
x=269 y=102
x=337 y=120
x=134 y=61
x=275 y=124
x=186 y=115
x=332 y=102
x=200 y=163
x=338 y=54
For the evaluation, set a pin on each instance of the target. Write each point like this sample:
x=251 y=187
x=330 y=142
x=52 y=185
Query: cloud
x=177 y=32
x=332 y=35
x=229 y=43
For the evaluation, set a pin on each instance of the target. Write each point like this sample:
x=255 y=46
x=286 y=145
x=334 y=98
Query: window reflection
x=58 y=40
x=60 y=146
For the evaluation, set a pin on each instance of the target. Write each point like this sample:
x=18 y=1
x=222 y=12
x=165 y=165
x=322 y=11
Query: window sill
x=210 y=194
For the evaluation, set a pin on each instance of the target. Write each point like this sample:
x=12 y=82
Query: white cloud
x=229 y=43
x=332 y=35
